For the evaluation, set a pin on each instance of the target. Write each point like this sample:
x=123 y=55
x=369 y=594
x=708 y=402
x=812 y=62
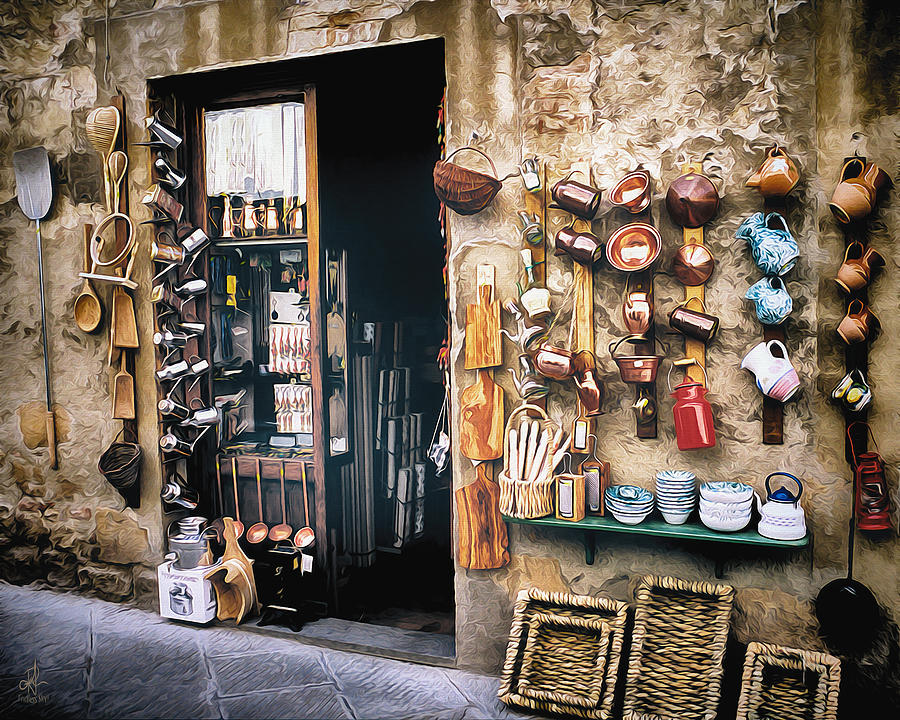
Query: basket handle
x=522 y=408
x=473 y=149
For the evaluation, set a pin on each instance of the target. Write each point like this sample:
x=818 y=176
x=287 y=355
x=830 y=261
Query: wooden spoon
x=88 y=308
x=116 y=165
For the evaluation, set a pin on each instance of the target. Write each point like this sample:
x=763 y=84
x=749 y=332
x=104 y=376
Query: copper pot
x=554 y=362
x=632 y=192
x=583 y=247
x=575 y=197
x=692 y=323
x=637 y=310
x=693 y=264
x=692 y=200
x=635 y=368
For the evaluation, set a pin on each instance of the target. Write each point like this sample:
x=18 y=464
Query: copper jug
x=777 y=176
x=587 y=384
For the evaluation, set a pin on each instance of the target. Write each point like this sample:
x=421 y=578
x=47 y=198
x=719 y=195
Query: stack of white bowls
x=726 y=506
x=676 y=495
x=629 y=504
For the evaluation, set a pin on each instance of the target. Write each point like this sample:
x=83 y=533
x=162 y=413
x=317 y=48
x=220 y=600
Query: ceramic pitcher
x=773 y=303
x=775 y=376
x=773 y=247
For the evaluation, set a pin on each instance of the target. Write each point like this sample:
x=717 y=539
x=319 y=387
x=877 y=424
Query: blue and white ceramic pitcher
x=773 y=303
x=773 y=247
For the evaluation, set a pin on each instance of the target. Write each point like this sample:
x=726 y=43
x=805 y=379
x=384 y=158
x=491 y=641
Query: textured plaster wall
x=608 y=83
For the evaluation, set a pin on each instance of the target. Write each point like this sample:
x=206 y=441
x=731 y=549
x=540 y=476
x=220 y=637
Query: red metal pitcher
x=693 y=415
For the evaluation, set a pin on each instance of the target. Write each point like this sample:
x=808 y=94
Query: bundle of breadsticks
x=533 y=451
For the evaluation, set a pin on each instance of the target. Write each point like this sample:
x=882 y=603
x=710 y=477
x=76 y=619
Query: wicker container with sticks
x=563 y=654
x=529 y=452
x=677 y=650
x=788 y=684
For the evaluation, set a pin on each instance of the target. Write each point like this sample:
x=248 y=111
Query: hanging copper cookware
x=554 y=362
x=692 y=200
x=635 y=368
x=575 y=197
x=693 y=264
x=632 y=192
x=633 y=247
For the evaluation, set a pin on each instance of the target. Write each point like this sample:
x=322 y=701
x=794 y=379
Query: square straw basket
x=677 y=650
x=563 y=654
x=788 y=684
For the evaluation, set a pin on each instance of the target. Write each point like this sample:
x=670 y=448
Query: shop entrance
x=324 y=310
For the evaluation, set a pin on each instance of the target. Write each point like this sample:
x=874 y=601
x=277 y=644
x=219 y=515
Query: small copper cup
x=693 y=264
x=575 y=197
x=632 y=192
x=584 y=247
x=693 y=323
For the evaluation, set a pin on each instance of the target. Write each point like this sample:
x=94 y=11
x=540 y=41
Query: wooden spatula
x=123 y=394
x=481 y=419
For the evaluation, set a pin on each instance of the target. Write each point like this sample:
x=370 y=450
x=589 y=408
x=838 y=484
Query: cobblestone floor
x=64 y=655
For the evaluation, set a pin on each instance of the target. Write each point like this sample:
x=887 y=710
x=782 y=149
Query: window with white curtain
x=257 y=152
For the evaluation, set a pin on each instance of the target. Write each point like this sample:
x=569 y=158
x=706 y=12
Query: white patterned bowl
x=723 y=507
x=721 y=524
x=630 y=518
x=676 y=476
x=725 y=491
x=675 y=517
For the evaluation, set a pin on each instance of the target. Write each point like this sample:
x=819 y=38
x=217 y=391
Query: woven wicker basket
x=463 y=190
x=563 y=654
x=677 y=649
x=788 y=684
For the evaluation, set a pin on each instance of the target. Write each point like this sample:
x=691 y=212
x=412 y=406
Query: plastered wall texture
x=611 y=84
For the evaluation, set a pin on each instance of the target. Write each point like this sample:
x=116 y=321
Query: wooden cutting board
x=483 y=324
x=481 y=419
x=482 y=532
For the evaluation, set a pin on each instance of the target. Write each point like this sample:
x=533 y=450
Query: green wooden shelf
x=693 y=530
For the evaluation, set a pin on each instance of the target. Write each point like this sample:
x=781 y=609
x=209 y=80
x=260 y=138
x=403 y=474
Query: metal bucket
x=635 y=368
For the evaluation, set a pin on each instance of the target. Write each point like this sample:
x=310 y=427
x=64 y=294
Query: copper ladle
x=305 y=536
x=282 y=531
x=258 y=532
x=238 y=525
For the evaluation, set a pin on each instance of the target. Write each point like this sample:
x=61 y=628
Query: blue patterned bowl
x=726 y=491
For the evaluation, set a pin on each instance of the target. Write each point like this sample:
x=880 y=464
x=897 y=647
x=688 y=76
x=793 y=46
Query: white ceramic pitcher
x=775 y=376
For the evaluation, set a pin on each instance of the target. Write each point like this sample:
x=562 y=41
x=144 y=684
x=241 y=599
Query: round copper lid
x=692 y=200
x=693 y=264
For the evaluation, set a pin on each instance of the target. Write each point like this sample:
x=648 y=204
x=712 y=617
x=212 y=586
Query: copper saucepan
x=635 y=368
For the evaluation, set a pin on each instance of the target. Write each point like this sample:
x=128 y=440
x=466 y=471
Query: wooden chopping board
x=483 y=328
x=481 y=419
x=482 y=533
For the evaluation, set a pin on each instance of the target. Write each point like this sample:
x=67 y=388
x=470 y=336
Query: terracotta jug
x=777 y=176
x=859 y=263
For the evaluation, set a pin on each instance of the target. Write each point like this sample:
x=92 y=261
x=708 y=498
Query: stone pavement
x=64 y=655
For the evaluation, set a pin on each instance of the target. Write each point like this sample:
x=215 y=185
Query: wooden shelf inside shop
x=692 y=530
x=260 y=240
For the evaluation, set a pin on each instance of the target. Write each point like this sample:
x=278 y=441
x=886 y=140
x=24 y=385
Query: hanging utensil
x=102 y=129
x=305 y=536
x=123 y=393
x=238 y=525
x=34 y=191
x=116 y=166
x=258 y=532
x=282 y=531
x=88 y=308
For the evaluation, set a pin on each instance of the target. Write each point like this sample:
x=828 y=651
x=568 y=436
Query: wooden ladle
x=88 y=308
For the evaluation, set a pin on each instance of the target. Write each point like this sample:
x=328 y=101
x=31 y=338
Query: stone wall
x=611 y=83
